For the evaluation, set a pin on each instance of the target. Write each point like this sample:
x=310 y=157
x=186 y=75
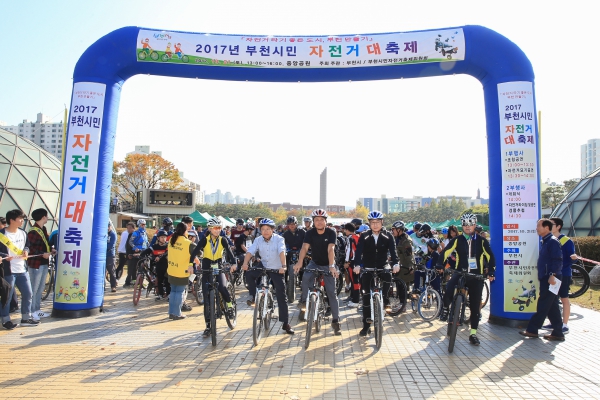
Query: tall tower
x=323 y=192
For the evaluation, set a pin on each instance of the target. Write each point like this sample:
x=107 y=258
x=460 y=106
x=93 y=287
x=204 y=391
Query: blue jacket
x=111 y=245
x=568 y=249
x=550 y=259
x=138 y=240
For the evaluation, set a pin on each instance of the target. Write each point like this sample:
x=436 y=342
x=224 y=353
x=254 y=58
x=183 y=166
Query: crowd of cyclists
x=291 y=255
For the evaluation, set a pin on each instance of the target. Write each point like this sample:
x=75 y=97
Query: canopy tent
x=225 y=221
x=198 y=218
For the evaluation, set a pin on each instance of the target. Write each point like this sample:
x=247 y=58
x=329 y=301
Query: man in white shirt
x=14 y=246
x=122 y=250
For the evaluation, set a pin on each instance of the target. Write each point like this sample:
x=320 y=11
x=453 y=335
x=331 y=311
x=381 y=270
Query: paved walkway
x=134 y=352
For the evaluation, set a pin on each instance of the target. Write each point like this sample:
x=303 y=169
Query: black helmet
x=291 y=220
x=433 y=243
x=239 y=221
x=356 y=222
x=479 y=229
x=398 y=225
x=417 y=226
x=167 y=221
x=425 y=228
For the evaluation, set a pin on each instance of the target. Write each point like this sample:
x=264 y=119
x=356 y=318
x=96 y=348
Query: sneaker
x=35 y=317
x=250 y=302
x=287 y=328
x=336 y=328
x=113 y=289
x=29 y=322
x=40 y=314
x=302 y=306
x=347 y=299
x=352 y=304
x=444 y=314
x=176 y=317
x=549 y=326
x=186 y=307
x=9 y=325
x=365 y=331
x=473 y=340
x=416 y=293
x=565 y=330
x=206 y=332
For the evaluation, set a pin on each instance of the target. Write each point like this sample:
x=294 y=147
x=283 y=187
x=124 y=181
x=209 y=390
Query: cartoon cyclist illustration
x=169 y=54
x=168 y=51
x=146 y=48
x=178 y=50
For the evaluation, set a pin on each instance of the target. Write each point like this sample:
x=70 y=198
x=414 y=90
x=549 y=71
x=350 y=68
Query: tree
x=280 y=216
x=143 y=171
x=552 y=196
x=570 y=185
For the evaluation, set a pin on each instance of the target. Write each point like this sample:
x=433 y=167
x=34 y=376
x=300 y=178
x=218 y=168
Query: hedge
x=587 y=247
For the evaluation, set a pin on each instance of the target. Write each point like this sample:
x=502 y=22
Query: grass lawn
x=590 y=299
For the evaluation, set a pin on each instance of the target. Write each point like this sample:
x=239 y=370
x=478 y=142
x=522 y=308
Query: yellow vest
x=179 y=258
x=208 y=249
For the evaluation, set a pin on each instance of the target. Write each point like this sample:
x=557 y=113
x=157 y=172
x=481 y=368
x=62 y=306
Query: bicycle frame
x=315 y=288
x=376 y=288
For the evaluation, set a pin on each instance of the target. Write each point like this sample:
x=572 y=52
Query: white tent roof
x=225 y=221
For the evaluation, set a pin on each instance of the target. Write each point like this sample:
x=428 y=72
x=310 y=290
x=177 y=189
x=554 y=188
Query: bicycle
x=458 y=306
x=144 y=272
x=580 y=280
x=290 y=283
x=397 y=296
x=315 y=304
x=214 y=298
x=264 y=308
x=376 y=300
x=430 y=302
x=50 y=278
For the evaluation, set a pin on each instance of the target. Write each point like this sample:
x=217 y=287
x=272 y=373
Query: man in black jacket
x=372 y=251
x=472 y=252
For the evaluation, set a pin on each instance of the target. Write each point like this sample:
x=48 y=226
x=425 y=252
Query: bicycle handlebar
x=319 y=271
x=467 y=273
x=378 y=270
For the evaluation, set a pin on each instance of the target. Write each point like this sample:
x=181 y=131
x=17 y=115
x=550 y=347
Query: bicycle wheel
x=397 y=296
x=154 y=56
x=231 y=321
x=142 y=55
x=430 y=304
x=185 y=59
x=269 y=316
x=320 y=314
x=378 y=322
x=485 y=295
x=290 y=285
x=49 y=285
x=196 y=291
x=257 y=323
x=212 y=309
x=580 y=281
x=149 y=287
x=137 y=289
x=453 y=326
x=339 y=283
x=312 y=309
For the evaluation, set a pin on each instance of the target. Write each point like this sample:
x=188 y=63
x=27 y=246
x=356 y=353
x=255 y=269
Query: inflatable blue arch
x=502 y=68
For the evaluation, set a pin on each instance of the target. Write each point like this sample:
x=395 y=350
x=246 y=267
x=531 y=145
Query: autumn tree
x=552 y=195
x=570 y=184
x=143 y=171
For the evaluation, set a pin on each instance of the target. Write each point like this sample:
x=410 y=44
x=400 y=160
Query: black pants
x=366 y=280
x=122 y=262
x=164 y=287
x=475 y=289
x=131 y=270
x=206 y=279
x=547 y=306
x=354 y=285
x=253 y=279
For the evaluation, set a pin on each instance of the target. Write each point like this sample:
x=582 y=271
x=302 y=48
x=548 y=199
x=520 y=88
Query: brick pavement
x=134 y=352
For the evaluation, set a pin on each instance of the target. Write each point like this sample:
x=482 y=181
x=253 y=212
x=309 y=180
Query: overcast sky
x=271 y=140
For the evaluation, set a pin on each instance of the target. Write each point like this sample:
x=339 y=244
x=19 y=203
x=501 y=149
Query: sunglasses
x=216 y=227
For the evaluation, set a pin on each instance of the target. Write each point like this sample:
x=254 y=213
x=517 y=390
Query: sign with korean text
x=79 y=187
x=520 y=206
x=344 y=51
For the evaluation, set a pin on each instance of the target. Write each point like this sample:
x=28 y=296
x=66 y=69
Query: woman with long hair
x=180 y=268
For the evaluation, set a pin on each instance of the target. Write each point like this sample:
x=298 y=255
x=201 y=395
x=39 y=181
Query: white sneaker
x=35 y=316
x=41 y=314
x=351 y=304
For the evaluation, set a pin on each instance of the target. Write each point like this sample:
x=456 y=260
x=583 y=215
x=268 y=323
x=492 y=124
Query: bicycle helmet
x=161 y=233
x=307 y=219
x=167 y=221
x=356 y=222
x=141 y=222
x=266 y=221
x=319 y=212
x=239 y=221
x=398 y=225
x=425 y=228
x=417 y=226
x=250 y=226
x=468 y=219
x=362 y=228
x=291 y=220
x=374 y=215
x=212 y=222
x=433 y=243
x=444 y=231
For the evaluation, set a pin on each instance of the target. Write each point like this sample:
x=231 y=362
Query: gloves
x=396 y=269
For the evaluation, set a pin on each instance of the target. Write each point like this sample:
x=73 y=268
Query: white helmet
x=468 y=219
x=213 y=222
x=141 y=222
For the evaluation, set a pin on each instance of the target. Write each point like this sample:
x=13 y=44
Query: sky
x=271 y=141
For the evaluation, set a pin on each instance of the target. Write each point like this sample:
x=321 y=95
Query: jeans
x=176 y=299
x=307 y=280
x=547 y=306
x=110 y=268
x=37 y=277
x=22 y=282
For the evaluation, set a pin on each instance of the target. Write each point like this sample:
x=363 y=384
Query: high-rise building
x=323 y=191
x=43 y=132
x=590 y=158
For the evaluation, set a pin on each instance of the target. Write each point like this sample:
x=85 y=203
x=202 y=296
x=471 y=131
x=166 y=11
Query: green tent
x=199 y=220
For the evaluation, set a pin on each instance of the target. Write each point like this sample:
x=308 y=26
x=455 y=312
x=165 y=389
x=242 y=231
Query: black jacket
x=375 y=255
x=480 y=249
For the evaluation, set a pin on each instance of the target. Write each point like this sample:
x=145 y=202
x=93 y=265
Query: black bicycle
x=376 y=299
x=580 y=280
x=216 y=305
x=263 y=307
x=50 y=278
x=459 y=303
x=315 y=303
x=290 y=282
x=397 y=296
